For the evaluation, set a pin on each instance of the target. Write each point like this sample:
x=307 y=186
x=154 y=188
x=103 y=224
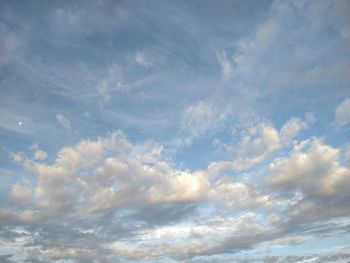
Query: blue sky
x=174 y=131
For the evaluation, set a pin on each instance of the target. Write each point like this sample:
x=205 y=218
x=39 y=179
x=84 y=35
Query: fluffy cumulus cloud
x=109 y=173
x=257 y=143
x=110 y=176
x=175 y=131
x=110 y=180
x=313 y=168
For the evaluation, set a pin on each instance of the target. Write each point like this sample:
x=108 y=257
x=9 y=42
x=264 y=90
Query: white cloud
x=112 y=82
x=342 y=112
x=292 y=128
x=110 y=174
x=259 y=142
x=142 y=60
x=40 y=155
x=197 y=119
x=249 y=49
x=104 y=174
x=312 y=168
x=63 y=121
x=109 y=191
x=240 y=196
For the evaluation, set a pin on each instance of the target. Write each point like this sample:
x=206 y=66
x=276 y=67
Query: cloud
x=313 y=169
x=6 y=258
x=240 y=196
x=259 y=142
x=109 y=180
x=9 y=45
x=115 y=179
x=111 y=82
x=20 y=193
x=142 y=60
x=63 y=121
x=225 y=63
x=40 y=155
x=292 y=128
x=114 y=199
x=342 y=112
x=278 y=55
x=198 y=118
x=110 y=175
x=313 y=177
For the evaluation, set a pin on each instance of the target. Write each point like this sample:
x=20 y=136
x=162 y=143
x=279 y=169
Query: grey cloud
x=165 y=214
x=6 y=258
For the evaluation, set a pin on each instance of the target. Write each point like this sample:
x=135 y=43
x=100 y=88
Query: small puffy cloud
x=63 y=121
x=198 y=118
x=142 y=60
x=292 y=128
x=342 y=112
x=40 y=155
x=259 y=142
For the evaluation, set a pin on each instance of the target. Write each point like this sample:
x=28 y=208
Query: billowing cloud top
x=175 y=131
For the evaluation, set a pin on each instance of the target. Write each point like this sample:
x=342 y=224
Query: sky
x=175 y=131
